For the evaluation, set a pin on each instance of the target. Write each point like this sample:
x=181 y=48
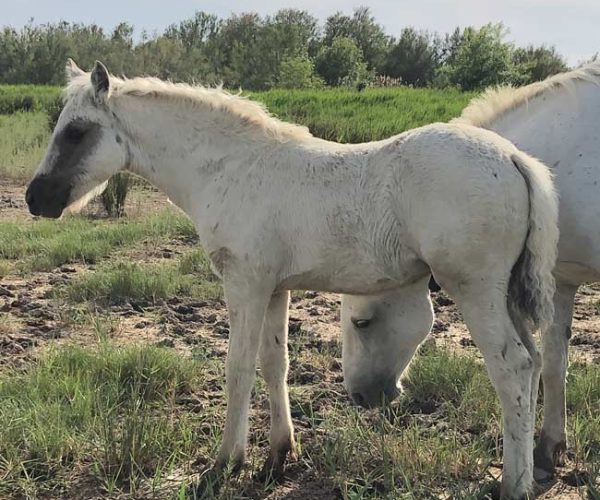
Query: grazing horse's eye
x=360 y=323
x=74 y=134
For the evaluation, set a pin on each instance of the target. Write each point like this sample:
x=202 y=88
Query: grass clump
x=111 y=411
x=121 y=282
x=113 y=197
x=46 y=244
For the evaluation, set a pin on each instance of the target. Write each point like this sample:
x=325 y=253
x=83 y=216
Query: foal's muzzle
x=47 y=196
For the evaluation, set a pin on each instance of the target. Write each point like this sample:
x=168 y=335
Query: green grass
x=122 y=281
x=111 y=412
x=43 y=245
x=336 y=114
x=116 y=420
x=345 y=115
x=23 y=141
x=342 y=115
x=15 y=98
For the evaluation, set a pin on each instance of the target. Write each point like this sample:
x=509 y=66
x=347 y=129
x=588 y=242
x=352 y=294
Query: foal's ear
x=100 y=82
x=72 y=70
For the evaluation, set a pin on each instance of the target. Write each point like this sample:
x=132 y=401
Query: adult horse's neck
x=182 y=149
x=554 y=122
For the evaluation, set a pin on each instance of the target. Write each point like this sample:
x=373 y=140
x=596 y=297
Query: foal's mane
x=247 y=112
x=495 y=102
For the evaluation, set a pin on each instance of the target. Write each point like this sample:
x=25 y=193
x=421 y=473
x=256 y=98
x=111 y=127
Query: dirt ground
x=34 y=323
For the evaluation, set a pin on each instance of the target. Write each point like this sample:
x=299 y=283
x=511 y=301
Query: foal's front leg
x=274 y=367
x=247 y=305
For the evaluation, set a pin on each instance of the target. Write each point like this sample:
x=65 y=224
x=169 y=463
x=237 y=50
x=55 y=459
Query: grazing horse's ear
x=100 y=82
x=72 y=70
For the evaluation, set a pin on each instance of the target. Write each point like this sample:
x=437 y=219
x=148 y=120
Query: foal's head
x=86 y=148
x=380 y=336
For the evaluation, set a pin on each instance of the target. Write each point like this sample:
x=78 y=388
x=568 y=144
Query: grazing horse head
x=86 y=149
x=375 y=354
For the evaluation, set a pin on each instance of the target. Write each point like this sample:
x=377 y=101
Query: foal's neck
x=181 y=150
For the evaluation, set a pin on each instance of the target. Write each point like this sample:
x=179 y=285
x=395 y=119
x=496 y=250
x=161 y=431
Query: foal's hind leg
x=526 y=336
x=274 y=367
x=511 y=370
x=555 y=344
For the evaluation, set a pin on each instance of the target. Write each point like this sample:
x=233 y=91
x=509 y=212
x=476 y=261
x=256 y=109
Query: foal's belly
x=355 y=279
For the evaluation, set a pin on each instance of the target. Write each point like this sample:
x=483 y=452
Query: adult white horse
x=558 y=121
x=278 y=209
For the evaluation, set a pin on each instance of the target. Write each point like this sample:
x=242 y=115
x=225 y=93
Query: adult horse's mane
x=250 y=113
x=498 y=101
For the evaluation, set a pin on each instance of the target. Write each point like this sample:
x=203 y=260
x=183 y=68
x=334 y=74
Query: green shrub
x=113 y=197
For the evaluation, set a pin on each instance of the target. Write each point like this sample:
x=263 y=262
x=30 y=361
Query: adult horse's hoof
x=546 y=456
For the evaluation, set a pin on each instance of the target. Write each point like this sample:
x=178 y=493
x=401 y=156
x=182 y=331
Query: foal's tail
x=531 y=287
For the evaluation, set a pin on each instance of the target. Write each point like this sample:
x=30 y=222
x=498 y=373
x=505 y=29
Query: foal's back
x=404 y=211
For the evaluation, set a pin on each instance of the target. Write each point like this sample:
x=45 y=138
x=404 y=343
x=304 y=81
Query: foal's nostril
x=358 y=398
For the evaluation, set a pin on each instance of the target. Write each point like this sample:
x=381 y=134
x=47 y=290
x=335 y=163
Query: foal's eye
x=360 y=323
x=74 y=134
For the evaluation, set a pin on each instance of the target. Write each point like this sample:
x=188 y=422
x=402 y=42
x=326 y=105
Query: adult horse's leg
x=511 y=368
x=274 y=367
x=247 y=306
x=555 y=347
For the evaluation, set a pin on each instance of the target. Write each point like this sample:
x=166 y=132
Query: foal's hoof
x=274 y=467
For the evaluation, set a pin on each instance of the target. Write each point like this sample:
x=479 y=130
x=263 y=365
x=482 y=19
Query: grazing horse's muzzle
x=376 y=394
x=47 y=196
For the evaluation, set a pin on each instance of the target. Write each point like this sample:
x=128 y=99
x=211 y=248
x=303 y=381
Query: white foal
x=558 y=121
x=277 y=209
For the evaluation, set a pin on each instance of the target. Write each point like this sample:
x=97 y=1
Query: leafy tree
x=537 y=63
x=480 y=58
x=247 y=60
x=363 y=30
x=293 y=32
x=414 y=58
x=297 y=73
x=259 y=52
x=341 y=62
x=196 y=32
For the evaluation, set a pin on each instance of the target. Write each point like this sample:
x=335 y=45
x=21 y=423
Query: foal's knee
x=274 y=364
